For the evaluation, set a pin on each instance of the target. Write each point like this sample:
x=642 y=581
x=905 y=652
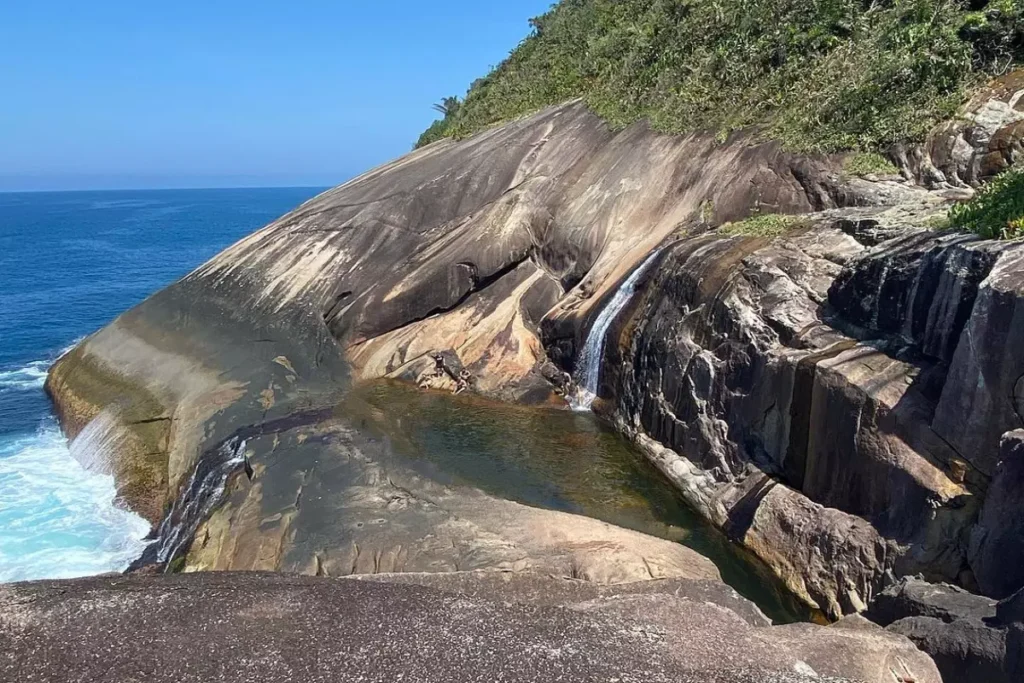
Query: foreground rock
x=234 y=627
x=973 y=639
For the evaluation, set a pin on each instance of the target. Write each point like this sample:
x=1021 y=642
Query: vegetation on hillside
x=449 y=109
x=819 y=75
x=997 y=210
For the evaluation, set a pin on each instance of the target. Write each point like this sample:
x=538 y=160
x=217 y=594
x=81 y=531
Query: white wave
x=57 y=519
x=32 y=375
x=67 y=349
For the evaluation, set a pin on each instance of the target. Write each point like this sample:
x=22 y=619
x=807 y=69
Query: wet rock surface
x=271 y=627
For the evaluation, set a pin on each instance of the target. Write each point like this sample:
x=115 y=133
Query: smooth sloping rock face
x=240 y=627
x=326 y=501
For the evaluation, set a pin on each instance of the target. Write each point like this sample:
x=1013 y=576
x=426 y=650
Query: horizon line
x=171 y=189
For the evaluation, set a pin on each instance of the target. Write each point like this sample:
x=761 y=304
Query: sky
x=117 y=94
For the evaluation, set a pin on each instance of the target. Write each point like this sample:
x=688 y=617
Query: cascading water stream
x=198 y=499
x=587 y=372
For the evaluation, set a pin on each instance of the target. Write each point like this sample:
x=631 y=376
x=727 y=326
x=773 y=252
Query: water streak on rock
x=202 y=494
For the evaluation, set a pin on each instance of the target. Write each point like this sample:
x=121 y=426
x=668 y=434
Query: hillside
x=818 y=75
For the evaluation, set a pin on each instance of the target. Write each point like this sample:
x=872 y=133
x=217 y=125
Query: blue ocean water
x=69 y=263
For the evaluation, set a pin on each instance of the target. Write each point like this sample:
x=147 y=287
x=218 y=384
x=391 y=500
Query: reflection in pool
x=556 y=459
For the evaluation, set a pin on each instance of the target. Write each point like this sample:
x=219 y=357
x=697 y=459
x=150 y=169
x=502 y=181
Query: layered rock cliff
x=833 y=397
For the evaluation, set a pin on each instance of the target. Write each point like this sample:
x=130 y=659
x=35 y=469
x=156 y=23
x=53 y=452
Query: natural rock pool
x=554 y=459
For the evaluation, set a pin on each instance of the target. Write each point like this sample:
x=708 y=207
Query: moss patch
x=763 y=225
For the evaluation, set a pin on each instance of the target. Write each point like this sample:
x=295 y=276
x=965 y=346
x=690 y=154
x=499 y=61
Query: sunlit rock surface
x=234 y=627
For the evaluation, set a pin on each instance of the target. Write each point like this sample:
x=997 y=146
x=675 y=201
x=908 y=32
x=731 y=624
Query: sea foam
x=59 y=512
x=57 y=519
x=30 y=376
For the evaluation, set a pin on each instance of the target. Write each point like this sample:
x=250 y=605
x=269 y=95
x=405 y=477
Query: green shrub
x=449 y=109
x=997 y=210
x=868 y=163
x=819 y=75
x=763 y=225
x=438 y=131
x=938 y=222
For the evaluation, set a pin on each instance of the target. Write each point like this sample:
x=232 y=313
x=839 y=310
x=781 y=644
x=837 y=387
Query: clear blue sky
x=191 y=93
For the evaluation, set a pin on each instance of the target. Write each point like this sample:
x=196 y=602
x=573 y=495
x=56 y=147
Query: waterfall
x=197 y=500
x=96 y=444
x=587 y=372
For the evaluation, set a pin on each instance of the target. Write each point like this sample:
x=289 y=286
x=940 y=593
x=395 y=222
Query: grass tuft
x=997 y=210
x=868 y=163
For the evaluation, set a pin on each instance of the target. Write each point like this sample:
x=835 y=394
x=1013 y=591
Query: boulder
x=965 y=650
x=982 y=141
x=912 y=597
x=972 y=638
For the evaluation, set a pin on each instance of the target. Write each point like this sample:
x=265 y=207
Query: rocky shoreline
x=840 y=399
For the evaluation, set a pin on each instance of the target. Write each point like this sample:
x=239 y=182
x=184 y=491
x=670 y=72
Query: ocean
x=70 y=262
